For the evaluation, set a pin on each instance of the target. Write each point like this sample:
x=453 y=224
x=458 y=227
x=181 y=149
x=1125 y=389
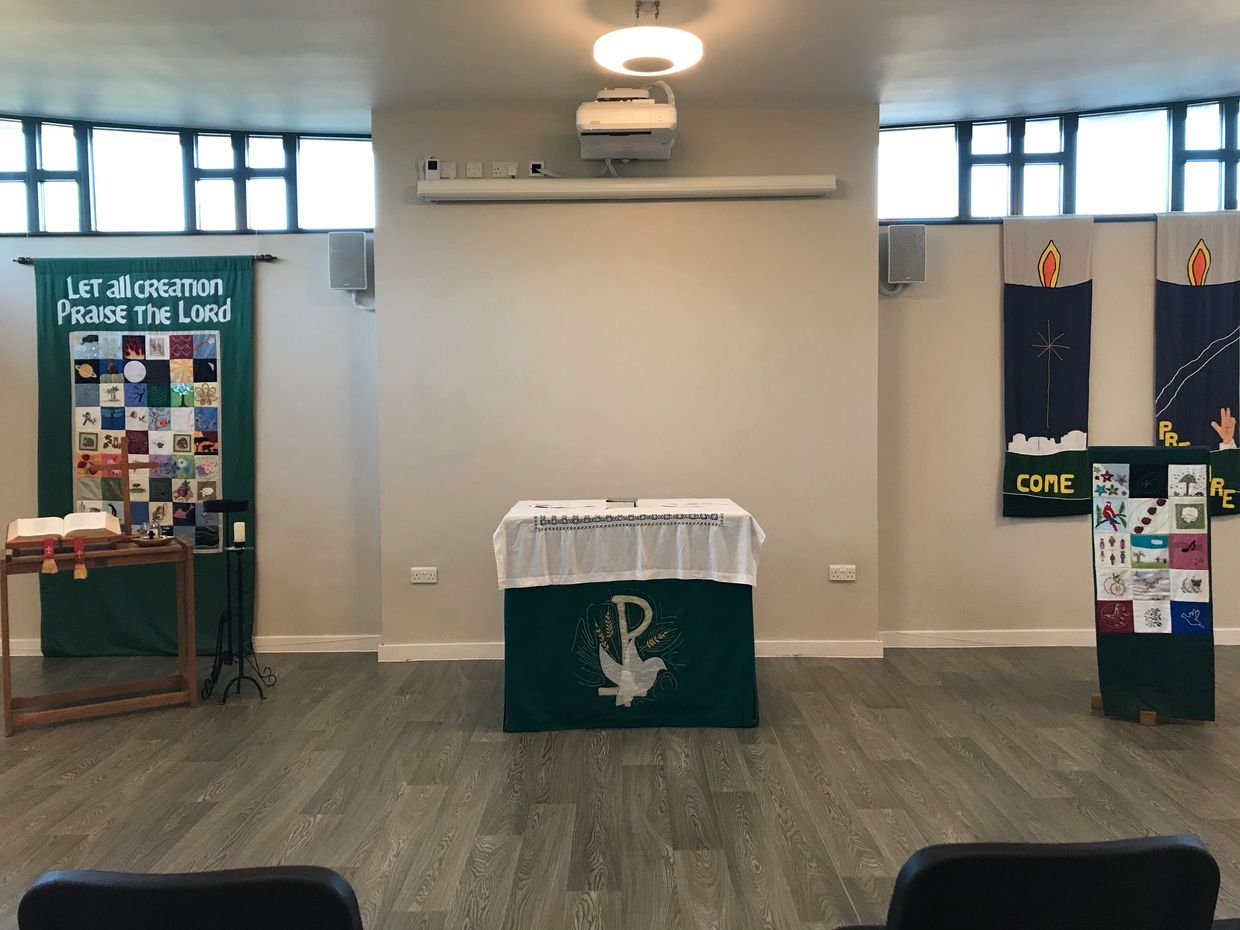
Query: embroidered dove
x=632 y=675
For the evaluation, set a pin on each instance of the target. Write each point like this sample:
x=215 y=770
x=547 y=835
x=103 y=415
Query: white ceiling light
x=648 y=51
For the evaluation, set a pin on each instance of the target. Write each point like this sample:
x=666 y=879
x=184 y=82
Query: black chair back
x=301 y=897
x=1159 y=883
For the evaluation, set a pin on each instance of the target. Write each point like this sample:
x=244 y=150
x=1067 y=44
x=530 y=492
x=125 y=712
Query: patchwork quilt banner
x=1197 y=344
x=1152 y=600
x=1047 y=313
x=152 y=355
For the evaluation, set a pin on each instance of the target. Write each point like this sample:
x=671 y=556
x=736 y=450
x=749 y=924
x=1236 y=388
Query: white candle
x=238 y=532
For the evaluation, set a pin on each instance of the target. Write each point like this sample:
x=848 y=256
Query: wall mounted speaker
x=905 y=260
x=346 y=261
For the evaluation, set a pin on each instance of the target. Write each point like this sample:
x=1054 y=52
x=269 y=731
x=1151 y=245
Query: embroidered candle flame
x=1198 y=264
x=1048 y=265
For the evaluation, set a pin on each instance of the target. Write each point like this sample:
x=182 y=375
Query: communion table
x=628 y=617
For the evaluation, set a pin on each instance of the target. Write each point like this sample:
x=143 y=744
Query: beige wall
x=950 y=562
x=659 y=349
x=315 y=423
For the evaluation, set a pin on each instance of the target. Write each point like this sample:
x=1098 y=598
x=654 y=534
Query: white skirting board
x=967 y=639
x=25 y=647
x=990 y=639
x=766 y=648
x=333 y=642
x=833 y=648
x=819 y=648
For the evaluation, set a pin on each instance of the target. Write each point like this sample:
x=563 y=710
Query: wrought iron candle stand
x=234 y=639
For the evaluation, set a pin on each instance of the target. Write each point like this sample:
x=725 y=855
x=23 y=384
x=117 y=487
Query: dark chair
x=301 y=897
x=1159 y=883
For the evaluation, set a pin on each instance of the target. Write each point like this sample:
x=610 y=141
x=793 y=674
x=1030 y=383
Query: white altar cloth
x=577 y=542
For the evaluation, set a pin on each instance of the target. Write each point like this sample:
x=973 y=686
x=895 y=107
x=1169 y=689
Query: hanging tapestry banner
x=151 y=358
x=1152 y=601
x=1047 y=311
x=1197 y=344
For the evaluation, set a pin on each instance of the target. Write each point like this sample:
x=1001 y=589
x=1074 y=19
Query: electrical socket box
x=423 y=575
x=536 y=169
x=473 y=169
x=503 y=169
x=843 y=573
x=447 y=170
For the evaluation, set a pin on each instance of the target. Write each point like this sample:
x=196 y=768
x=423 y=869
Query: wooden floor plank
x=400 y=777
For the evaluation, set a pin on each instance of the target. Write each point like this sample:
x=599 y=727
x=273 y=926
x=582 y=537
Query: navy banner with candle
x=1047 y=313
x=1197 y=344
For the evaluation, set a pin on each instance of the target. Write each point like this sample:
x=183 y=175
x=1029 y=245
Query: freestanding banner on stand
x=1197 y=344
x=1047 y=310
x=153 y=356
x=1152 y=602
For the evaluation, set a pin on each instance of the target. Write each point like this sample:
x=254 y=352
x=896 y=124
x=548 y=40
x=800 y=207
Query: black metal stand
x=234 y=639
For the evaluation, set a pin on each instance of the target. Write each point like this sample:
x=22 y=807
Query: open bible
x=32 y=531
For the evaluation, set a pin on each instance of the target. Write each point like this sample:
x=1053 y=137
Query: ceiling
x=323 y=64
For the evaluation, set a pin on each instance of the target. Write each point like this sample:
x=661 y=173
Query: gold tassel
x=79 y=558
x=49 y=557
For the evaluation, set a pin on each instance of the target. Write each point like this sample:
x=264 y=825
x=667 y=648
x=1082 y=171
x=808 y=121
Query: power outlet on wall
x=503 y=169
x=842 y=573
x=423 y=575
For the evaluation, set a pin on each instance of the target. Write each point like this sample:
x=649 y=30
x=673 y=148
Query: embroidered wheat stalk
x=654 y=642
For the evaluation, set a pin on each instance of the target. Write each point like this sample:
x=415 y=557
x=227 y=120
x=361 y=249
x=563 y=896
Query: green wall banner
x=153 y=356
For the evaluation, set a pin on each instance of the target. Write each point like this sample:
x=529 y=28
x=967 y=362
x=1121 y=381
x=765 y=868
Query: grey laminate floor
x=398 y=776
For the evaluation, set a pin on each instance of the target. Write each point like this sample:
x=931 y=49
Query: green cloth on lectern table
x=691 y=665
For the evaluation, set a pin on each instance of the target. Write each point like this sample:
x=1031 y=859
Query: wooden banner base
x=1147 y=718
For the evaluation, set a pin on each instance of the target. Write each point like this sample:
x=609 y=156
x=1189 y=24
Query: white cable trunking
x=755 y=187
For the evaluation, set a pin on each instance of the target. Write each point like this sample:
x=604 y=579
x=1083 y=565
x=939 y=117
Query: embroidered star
x=1050 y=345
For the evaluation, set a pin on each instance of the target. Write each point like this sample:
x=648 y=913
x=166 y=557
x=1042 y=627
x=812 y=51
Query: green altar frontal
x=628 y=613
x=661 y=653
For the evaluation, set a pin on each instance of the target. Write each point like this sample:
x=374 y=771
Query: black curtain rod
x=265 y=257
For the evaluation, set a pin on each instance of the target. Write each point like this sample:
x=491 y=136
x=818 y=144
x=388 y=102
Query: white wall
x=586 y=350
x=315 y=431
x=950 y=562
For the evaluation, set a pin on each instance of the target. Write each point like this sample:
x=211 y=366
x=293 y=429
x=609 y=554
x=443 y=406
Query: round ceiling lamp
x=648 y=51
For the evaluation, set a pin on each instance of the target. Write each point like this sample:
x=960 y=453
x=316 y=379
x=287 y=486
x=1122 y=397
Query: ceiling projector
x=626 y=123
